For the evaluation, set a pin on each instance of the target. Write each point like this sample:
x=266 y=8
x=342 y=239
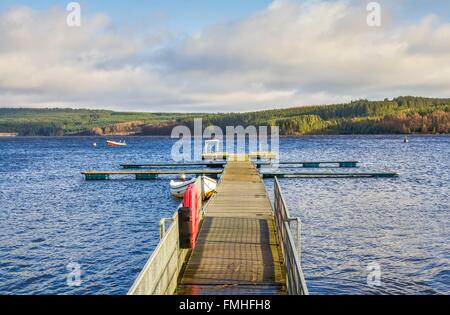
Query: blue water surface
x=51 y=218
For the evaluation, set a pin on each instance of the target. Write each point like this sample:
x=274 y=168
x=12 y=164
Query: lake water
x=51 y=218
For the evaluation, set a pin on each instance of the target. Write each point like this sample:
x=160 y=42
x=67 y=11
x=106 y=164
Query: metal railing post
x=299 y=235
x=162 y=228
x=291 y=244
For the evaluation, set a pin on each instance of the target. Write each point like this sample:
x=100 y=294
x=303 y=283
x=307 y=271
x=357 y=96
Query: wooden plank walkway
x=237 y=249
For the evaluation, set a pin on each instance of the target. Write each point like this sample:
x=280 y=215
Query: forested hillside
x=400 y=115
x=63 y=122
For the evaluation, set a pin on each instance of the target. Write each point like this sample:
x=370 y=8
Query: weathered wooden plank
x=147 y=175
x=231 y=289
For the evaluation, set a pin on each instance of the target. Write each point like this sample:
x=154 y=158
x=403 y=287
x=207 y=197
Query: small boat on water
x=111 y=143
x=179 y=186
x=406 y=140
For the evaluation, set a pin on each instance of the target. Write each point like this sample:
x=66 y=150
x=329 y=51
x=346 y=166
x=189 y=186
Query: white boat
x=212 y=146
x=111 y=143
x=179 y=186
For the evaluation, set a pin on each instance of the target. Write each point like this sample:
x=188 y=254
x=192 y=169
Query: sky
x=218 y=56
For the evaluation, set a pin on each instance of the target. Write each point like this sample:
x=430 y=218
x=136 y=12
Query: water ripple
x=50 y=217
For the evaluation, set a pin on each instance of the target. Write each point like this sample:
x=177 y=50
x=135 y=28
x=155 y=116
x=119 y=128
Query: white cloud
x=291 y=53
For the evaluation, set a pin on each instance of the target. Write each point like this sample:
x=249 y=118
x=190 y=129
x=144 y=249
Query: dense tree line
x=58 y=121
x=399 y=115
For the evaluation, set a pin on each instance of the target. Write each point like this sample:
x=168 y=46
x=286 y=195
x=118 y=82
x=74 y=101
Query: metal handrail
x=160 y=274
x=291 y=248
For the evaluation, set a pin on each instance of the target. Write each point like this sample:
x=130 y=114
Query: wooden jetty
x=148 y=175
x=245 y=243
x=237 y=247
x=244 y=246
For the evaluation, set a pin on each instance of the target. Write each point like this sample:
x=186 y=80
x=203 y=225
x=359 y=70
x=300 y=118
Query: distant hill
x=66 y=122
x=400 y=115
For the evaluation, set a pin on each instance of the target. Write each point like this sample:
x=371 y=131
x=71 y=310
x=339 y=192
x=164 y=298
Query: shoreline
x=8 y=134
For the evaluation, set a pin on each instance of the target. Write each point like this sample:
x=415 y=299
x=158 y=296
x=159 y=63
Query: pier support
x=348 y=164
x=144 y=176
x=311 y=165
x=97 y=176
x=131 y=167
x=148 y=175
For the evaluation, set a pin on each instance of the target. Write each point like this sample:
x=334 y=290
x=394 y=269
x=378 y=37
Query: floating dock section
x=222 y=163
x=216 y=164
x=148 y=175
x=312 y=164
x=326 y=175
